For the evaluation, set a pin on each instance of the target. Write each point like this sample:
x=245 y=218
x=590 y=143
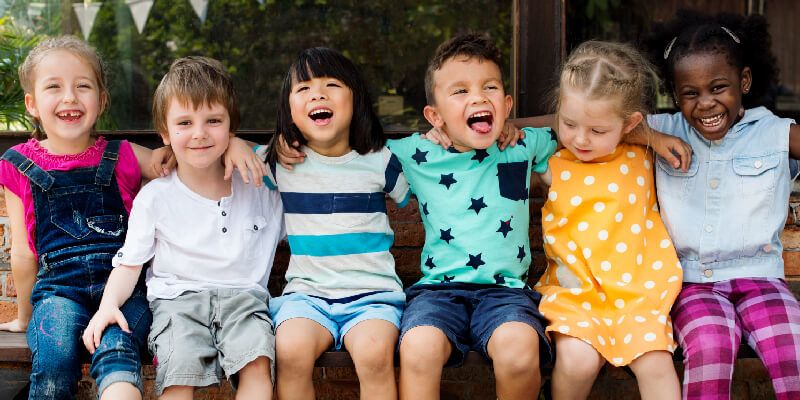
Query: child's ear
x=633 y=121
x=30 y=105
x=432 y=115
x=746 y=79
x=164 y=138
x=509 y=104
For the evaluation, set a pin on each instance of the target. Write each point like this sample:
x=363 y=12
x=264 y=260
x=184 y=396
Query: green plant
x=15 y=43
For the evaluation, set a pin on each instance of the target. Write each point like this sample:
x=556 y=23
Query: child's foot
x=13 y=326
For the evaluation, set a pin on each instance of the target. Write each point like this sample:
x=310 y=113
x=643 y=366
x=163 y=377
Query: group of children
x=635 y=245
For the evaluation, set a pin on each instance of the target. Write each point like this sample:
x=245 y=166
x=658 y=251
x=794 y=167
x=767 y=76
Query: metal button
x=714 y=183
x=255 y=227
x=758 y=164
x=767 y=248
x=224 y=230
x=709 y=228
x=708 y=273
x=224 y=213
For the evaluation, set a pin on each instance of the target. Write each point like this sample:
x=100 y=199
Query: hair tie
x=729 y=32
x=669 y=47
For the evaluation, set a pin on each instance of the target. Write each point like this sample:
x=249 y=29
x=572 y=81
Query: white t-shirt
x=198 y=243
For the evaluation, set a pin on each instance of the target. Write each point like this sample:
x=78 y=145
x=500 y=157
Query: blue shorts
x=468 y=314
x=338 y=315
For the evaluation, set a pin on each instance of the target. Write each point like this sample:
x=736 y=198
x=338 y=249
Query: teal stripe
x=339 y=245
x=404 y=203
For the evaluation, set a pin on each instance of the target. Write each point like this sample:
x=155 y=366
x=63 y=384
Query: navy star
x=447 y=180
x=429 y=263
x=521 y=142
x=446 y=236
x=498 y=279
x=505 y=227
x=553 y=135
x=420 y=157
x=425 y=208
x=477 y=205
x=475 y=261
x=521 y=253
x=480 y=154
x=448 y=278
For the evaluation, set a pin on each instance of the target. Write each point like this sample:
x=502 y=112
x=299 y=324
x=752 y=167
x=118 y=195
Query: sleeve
x=540 y=143
x=396 y=185
x=665 y=123
x=269 y=179
x=10 y=178
x=128 y=174
x=140 y=240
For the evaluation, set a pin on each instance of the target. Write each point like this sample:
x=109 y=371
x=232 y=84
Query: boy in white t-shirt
x=212 y=242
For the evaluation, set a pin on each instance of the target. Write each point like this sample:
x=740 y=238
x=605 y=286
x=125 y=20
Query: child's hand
x=674 y=150
x=436 y=136
x=289 y=155
x=105 y=316
x=14 y=326
x=240 y=155
x=509 y=135
x=162 y=161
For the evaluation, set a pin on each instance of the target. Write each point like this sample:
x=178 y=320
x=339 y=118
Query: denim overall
x=80 y=224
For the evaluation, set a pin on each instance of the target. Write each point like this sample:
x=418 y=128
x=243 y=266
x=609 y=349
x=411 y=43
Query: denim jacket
x=725 y=214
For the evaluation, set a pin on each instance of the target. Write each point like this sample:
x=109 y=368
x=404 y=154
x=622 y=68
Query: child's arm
x=794 y=141
x=119 y=288
x=23 y=264
x=674 y=150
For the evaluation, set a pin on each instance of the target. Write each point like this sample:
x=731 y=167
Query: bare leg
x=371 y=344
x=577 y=366
x=656 y=376
x=121 y=391
x=423 y=353
x=255 y=381
x=298 y=344
x=514 y=350
x=177 y=393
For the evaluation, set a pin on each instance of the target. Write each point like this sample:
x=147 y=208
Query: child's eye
x=214 y=121
x=491 y=87
x=717 y=89
x=689 y=94
x=300 y=89
x=460 y=91
x=569 y=124
x=334 y=84
x=85 y=86
x=185 y=123
x=597 y=131
x=51 y=86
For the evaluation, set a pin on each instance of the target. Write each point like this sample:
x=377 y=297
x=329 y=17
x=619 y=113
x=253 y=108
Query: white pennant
x=140 y=9
x=86 y=13
x=200 y=8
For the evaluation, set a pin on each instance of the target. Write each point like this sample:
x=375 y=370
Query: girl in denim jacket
x=726 y=212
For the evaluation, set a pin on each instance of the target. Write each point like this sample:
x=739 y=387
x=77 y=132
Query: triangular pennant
x=260 y=2
x=35 y=9
x=200 y=8
x=86 y=13
x=140 y=9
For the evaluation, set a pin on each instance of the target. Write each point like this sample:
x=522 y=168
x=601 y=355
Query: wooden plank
x=14 y=347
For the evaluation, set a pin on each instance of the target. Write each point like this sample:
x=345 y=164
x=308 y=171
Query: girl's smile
x=322 y=109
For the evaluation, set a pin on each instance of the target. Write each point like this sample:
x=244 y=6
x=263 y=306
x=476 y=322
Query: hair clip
x=729 y=32
x=669 y=47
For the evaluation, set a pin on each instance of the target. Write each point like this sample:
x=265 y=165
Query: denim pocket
x=70 y=207
x=675 y=182
x=757 y=174
x=109 y=225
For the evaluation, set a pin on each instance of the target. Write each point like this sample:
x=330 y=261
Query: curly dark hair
x=470 y=44
x=694 y=32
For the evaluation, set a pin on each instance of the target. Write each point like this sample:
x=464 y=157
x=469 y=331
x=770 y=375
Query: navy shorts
x=468 y=314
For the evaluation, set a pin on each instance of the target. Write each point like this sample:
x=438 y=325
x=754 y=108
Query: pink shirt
x=127 y=172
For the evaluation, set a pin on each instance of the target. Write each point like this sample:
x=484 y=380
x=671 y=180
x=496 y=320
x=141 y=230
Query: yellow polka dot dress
x=612 y=272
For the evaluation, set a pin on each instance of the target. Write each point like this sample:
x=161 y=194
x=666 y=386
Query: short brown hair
x=469 y=45
x=79 y=48
x=199 y=80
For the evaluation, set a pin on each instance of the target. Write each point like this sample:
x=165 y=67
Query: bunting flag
x=86 y=13
x=35 y=9
x=140 y=9
x=200 y=8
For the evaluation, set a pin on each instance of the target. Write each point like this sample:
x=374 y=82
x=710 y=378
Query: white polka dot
x=586 y=306
x=640 y=180
x=649 y=285
x=602 y=235
x=589 y=180
x=618 y=217
x=632 y=198
x=601 y=341
x=648 y=195
x=605 y=266
x=664 y=243
x=538 y=284
x=572 y=246
x=669 y=335
x=678 y=265
x=602 y=297
x=619 y=321
x=563 y=221
x=640 y=319
x=624 y=169
x=630 y=154
x=576 y=201
x=662 y=319
x=552 y=196
x=565 y=175
x=617 y=360
x=648 y=224
x=549 y=217
x=587 y=253
x=670 y=348
x=646 y=164
x=612 y=341
x=627 y=338
x=644 y=210
x=613 y=187
x=583 y=226
x=655 y=312
x=562 y=318
x=658 y=265
x=638 y=259
x=664 y=294
x=672 y=278
x=571 y=259
x=635 y=228
x=583 y=324
x=619 y=303
x=650 y=337
x=550 y=239
x=576 y=291
x=563 y=329
x=621 y=247
x=551 y=298
x=626 y=277
x=608 y=321
x=599 y=206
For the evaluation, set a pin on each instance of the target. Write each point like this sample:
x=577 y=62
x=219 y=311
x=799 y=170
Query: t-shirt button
x=224 y=230
x=119 y=254
x=255 y=227
x=224 y=213
x=709 y=228
x=708 y=273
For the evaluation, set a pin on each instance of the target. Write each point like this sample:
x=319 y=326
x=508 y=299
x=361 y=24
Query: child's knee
x=374 y=360
x=425 y=346
x=514 y=347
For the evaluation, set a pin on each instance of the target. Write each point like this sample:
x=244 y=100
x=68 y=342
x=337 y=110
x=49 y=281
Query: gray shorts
x=198 y=336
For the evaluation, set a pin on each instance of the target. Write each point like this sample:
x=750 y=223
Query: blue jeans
x=54 y=337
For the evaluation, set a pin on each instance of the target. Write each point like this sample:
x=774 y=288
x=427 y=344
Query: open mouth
x=481 y=121
x=321 y=116
x=69 y=116
x=714 y=121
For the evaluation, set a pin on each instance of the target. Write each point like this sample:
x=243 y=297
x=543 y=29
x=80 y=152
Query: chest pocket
x=78 y=211
x=675 y=182
x=356 y=209
x=757 y=174
x=512 y=179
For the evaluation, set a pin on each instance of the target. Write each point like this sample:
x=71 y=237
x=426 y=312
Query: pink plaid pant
x=710 y=319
